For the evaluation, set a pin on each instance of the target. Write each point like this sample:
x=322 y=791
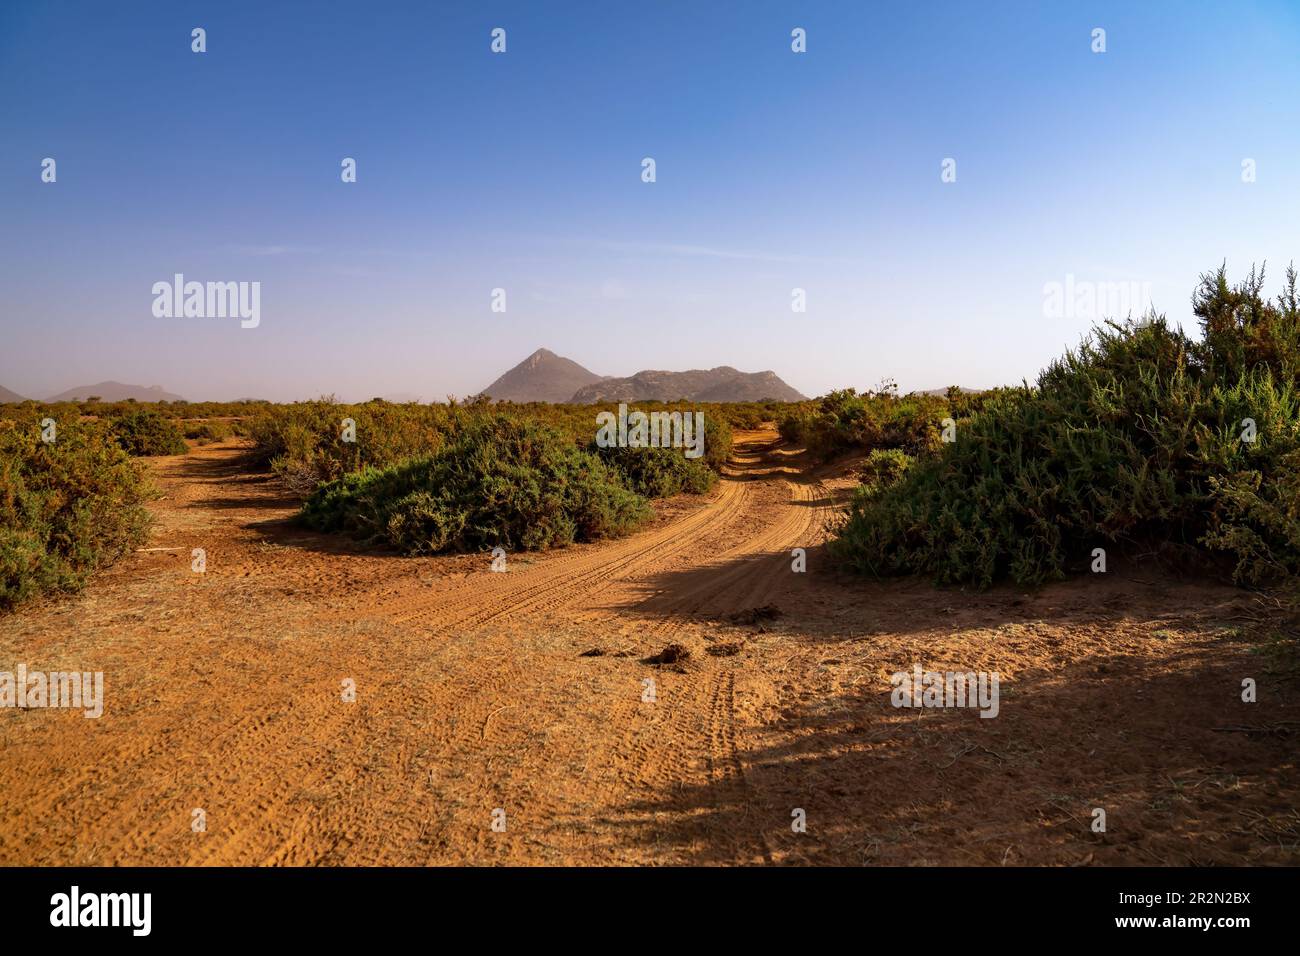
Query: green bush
x=305 y=443
x=207 y=432
x=1134 y=440
x=66 y=508
x=717 y=441
x=143 y=431
x=751 y=415
x=659 y=472
x=844 y=421
x=884 y=467
x=795 y=424
x=499 y=481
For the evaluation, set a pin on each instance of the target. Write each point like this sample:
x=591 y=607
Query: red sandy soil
x=1119 y=691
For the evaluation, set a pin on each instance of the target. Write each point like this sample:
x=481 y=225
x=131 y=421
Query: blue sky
x=522 y=171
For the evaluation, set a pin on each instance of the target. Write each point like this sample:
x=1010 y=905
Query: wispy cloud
x=692 y=251
x=681 y=250
x=272 y=250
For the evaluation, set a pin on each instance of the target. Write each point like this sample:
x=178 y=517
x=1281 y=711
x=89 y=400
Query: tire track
x=704 y=708
x=290 y=775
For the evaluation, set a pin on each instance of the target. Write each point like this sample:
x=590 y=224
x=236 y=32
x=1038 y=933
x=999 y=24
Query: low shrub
x=498 y=481
x=883 y=467
x=67 y=507
x=143 y=431
x=717 y=442
x=660 y=472
x=306 y=443
x=795 y=425
x=206 y=432
x=843 y=421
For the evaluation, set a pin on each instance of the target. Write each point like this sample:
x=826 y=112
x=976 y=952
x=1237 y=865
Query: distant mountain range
x=721 y=384
x=547 y=377
x=116 y=392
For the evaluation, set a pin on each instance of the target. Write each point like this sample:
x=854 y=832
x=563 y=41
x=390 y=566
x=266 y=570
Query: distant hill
x=8 y=396
x=721 y=384
x=547 y=377
x=116 y=392
x=944 y=391
x=542 y=377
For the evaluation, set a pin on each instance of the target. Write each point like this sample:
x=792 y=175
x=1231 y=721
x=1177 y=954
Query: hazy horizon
x=389 y=395
x=775 y=170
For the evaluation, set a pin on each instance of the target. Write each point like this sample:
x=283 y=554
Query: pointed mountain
x=116 y=392
x=542 y=377
x=8 y=396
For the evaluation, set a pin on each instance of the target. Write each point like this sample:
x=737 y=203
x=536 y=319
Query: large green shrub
x=66 y=507
x=843 y=421
x=1137 y=440
x=143 y=431
x=660 y=472
x=307 y=443
x=717 y=441
x=498 y=481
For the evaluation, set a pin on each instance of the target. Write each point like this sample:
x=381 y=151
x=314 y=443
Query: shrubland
x=306 y=443
x=67 y=506
x=496 y=481
x=1140 y=440
x=206 y=431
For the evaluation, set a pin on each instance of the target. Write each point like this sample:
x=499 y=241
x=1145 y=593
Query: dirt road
x=516 y=717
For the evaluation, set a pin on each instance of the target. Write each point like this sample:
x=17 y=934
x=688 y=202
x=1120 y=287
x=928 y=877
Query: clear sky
x=522 y=170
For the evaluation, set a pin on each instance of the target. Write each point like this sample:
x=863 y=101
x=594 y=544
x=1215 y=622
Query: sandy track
x=473 y=695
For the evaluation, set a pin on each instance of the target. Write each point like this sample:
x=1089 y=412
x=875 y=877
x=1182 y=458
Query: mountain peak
x=537 y=358
x=542 y=377
x=547 y=377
